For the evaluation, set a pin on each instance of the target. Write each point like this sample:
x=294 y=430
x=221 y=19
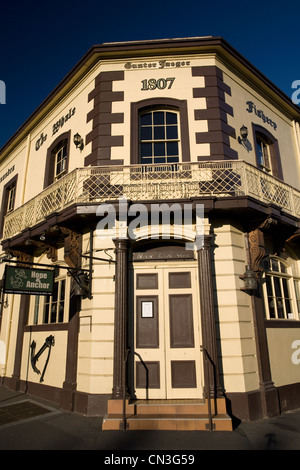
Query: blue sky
x=40 y=42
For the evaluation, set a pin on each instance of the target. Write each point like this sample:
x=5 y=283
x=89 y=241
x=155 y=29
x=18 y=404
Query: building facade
x=159 y=185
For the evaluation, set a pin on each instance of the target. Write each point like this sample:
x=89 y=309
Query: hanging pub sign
x=19 y=280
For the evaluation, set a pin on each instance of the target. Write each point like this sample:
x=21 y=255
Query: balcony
x=95 y=185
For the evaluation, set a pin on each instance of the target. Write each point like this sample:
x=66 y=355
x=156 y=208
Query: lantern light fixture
x=244 y=134
x=250 y=280
x=78 y=141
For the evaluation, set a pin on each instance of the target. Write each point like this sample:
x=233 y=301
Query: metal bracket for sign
x=74 y=272
x=44 y=265
x=99 y=259
x=84 y=283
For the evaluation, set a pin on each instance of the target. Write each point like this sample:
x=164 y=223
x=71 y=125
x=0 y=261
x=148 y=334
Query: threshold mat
x=24 y=410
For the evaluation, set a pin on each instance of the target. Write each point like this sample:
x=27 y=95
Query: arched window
x=267 y=151
x=159 y=131
x=60 y=165
x=57 y=159
x=281 y=290
x=8 y=200
x=263 y=153
x=159 y=140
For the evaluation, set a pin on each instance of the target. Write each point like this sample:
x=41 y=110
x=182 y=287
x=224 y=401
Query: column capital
x=121 y=243
x=206 y=242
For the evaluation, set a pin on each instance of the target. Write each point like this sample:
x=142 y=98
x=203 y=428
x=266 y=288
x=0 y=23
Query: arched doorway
x=164 y=322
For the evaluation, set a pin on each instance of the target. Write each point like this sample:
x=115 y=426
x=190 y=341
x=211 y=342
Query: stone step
x=167 y=415
x=197 y=407
x=168 y=422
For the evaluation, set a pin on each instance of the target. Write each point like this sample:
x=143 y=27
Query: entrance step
x=183 y=415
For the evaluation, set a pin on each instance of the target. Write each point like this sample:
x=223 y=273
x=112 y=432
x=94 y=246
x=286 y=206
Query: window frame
x=50 y=167
x=180 y=106
x=11 y=197
x=38 y=304
x=290 y=287
x=265 y=147
x=297 y=293
x=60 y=160
x=169 y=159
x=274 y=155
x=5 y=200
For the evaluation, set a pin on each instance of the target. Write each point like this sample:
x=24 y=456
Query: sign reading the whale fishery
x=19 y=280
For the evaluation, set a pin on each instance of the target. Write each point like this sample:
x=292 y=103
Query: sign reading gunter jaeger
x=19 y=280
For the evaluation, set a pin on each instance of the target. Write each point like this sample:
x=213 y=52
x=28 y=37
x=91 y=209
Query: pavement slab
x=33 y=424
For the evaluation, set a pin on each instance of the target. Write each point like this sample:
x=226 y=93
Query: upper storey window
x=159 y=131
x=11 y=193
x=159 y=137
x=57 y=159
x=267 y=151
x=8 y=200
x=60 y=162
x=263 y=153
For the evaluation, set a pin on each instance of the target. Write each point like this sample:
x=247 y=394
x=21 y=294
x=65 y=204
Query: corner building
x=147 y=328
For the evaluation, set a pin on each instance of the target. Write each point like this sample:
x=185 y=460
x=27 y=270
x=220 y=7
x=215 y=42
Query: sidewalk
x=37 y=425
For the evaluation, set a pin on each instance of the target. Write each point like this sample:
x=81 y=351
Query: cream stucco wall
x=241 y=92
x=284 y=352
x=8 y=334
x=76 y=100
x=181 y=89
x=56 y=367
x=14 y=164
x=284 y=342
x=96 y=333
x=233 y=310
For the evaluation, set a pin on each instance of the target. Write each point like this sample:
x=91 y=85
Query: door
x=167 y=357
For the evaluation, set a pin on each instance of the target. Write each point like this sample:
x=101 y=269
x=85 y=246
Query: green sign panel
x=28 y=281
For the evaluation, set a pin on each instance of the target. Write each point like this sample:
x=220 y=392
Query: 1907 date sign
x=19 y=280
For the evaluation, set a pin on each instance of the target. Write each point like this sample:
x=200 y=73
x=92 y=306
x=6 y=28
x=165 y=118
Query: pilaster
x=121 y=306
x=208 y=322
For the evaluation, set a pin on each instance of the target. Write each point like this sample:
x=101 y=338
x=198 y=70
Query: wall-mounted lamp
x=82 y=285
x=244 y=134
x=250 y=280
x=78 y=141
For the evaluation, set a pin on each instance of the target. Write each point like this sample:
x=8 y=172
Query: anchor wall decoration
x=49 y=342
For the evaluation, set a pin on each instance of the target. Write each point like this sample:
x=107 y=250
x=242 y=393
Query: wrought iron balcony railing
x=153 y=182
